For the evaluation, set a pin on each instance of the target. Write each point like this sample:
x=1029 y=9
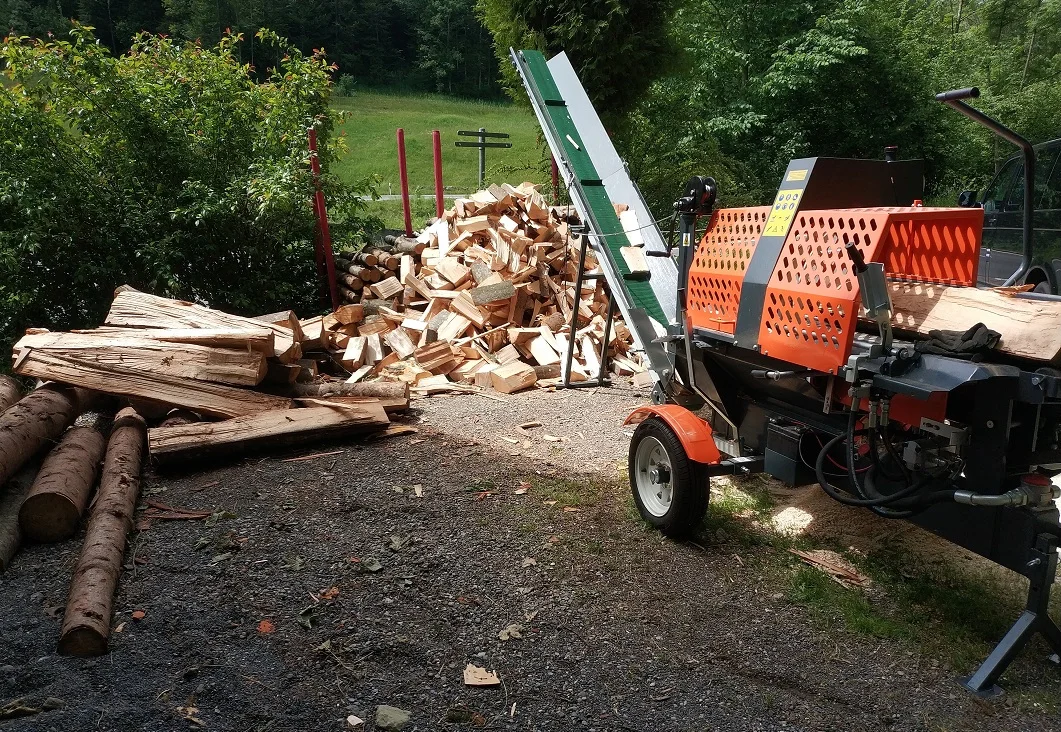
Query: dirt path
x=621 y=630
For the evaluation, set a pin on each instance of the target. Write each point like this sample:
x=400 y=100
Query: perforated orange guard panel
x=717 y=272
x=813 y=301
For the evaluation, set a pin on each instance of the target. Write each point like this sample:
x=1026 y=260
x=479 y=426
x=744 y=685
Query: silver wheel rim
x=653 y=476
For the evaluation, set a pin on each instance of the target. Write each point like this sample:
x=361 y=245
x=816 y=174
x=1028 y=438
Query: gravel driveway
x=325 y=587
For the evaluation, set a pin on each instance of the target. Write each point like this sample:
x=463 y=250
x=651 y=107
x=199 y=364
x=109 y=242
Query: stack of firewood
x=483 y=296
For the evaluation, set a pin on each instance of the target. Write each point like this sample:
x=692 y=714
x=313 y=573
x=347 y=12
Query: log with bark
x=381 y=389
x=53 y=509
x=215 y=400
x=11 y=496
x=270 y=430
x=10 y=392
x=86 y=625
x=36 y=420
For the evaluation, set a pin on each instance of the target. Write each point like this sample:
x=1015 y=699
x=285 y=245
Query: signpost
x=482 y=144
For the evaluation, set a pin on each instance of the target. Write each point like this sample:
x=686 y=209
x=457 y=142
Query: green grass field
x=373 y=150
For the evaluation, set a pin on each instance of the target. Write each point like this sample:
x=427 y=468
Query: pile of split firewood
x=483 y=296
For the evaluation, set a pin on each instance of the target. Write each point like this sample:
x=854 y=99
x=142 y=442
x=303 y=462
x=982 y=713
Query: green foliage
x=168 y=168
x=617 y=47
x=420 y=45
x=844 y=78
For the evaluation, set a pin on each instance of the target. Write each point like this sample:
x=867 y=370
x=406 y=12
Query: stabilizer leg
x=1035 y=619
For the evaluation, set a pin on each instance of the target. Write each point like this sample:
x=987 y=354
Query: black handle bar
x=949 y=96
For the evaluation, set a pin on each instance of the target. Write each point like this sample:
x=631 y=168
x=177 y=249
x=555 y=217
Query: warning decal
x=784 y=211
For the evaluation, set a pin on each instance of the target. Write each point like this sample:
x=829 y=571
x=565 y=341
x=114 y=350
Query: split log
x=221 y=365
x=391 y=405
x=10 y=392
x=285 y=319
x=37 y=419
x=258 y=339
x=513 y=377
x=267 y=430
x=57 y=500
x=381 y=389
x=1030 y=328
x=135 y=309
x=11 y=497
x=214 y=400
x=86 y=625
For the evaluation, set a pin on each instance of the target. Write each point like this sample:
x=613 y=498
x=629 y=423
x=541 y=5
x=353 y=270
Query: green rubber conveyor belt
x=604 y=224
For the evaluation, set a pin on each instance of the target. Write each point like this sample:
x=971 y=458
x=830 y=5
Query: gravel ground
x=621 y=629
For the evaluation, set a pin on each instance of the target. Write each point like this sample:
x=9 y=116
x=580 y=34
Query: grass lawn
x=374 y=117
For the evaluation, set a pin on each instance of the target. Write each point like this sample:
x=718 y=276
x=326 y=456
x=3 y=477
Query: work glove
x=971 y=344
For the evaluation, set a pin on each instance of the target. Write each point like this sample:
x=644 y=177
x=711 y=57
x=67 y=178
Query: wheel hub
x=652 y=477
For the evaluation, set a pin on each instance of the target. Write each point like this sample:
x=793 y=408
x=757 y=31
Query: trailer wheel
x=670 y=490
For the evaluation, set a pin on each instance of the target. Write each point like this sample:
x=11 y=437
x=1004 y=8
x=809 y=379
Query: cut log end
x=82 y=642
x=47 y=518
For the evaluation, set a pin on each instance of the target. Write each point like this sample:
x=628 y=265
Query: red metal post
x=440 y=198
x=403 y=173
x=323 y=244
x=556 y=182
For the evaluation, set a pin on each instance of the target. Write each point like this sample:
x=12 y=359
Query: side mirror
x=967 y=199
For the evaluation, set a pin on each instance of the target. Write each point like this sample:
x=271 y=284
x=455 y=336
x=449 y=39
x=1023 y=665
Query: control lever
x=873 y=287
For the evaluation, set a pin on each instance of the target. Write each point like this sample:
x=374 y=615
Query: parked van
x=1003 y=204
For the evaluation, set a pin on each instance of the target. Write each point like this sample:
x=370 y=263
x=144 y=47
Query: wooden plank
x=213 y=400
x=190 y=361
x=272 y=429
x=1030 y=328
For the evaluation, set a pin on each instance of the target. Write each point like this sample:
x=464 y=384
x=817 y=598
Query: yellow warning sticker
x=796 y=175
x=784 y=211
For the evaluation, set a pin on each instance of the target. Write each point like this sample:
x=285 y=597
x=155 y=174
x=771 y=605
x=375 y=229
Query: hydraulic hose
x=837 y=494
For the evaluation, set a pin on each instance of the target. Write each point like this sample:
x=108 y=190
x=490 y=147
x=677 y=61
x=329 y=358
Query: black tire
x=689 y=483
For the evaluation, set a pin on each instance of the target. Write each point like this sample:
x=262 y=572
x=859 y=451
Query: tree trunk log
x=57 y=500
x=10 y=392
x=86 y=626
x=177 y=417
x=11 y=496
x=380 y=389
x=38 y=417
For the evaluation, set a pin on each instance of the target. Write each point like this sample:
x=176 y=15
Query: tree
x=171 y=168
x=618 y=48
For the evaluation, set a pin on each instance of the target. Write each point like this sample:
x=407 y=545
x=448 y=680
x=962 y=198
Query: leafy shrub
x=171 y=168
x=345 y=86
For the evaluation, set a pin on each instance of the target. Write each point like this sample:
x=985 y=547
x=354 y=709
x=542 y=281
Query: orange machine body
x=812 y=303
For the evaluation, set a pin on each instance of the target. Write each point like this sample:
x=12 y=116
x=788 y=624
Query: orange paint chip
x=139 y=614
x=265 y=627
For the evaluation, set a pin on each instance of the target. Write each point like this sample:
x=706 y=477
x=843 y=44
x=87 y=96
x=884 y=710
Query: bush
x=171 y=168
x=345 y=86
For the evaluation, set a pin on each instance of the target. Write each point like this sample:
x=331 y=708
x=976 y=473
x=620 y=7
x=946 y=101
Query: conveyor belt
x=579 y=144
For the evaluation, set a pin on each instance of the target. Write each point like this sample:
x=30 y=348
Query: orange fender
x=693 y=432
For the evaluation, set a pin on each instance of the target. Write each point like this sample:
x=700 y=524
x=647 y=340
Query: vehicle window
x=1044 y=164
x=995 y=196
x=1051 y=196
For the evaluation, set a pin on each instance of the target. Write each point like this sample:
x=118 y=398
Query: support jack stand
x=1035 y=619
x=602 y=375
